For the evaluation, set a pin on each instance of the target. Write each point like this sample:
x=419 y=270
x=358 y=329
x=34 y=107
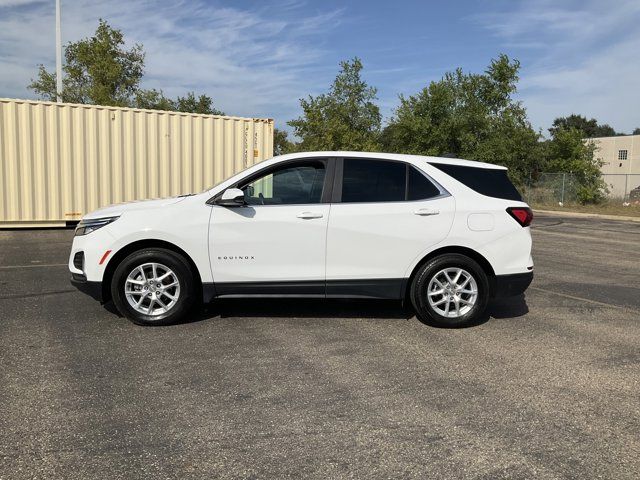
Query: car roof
x=393 y=156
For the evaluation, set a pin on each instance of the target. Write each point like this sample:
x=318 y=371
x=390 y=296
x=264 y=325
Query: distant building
x=621 y=163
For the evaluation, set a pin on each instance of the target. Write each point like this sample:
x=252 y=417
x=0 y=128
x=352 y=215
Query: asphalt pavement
x=547 y=387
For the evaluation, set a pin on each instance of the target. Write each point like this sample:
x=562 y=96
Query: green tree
x=345 y=118
x=201 y=104
x=100 y=70
x=472 y=116
x=281 y=142
x=636 y=131
x=152 y=100
x=590 y=128
x=568 y=152
x=155 y=100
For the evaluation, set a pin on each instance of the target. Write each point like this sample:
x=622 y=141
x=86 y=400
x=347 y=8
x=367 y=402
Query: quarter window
x=491 y=182
x=419 y=186
x=622 y=154
x=290 y=185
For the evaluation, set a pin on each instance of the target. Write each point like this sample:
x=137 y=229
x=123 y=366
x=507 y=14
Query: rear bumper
x=510 y=285
x=93 y=289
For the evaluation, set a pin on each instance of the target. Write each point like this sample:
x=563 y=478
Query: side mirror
x=231 y=197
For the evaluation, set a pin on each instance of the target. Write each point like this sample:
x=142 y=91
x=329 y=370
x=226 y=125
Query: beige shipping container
x=59 y=161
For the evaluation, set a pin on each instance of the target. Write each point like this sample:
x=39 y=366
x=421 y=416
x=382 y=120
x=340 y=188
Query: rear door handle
x=425 y=212
x=309 y=215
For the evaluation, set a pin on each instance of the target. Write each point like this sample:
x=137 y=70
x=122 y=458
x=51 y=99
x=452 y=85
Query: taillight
x=522 y=215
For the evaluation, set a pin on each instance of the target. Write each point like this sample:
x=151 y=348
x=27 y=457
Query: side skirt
x=270 y=289
x=385 y=288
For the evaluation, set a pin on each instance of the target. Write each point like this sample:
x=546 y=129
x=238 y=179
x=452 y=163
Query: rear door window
x=372 y=181
x=486 y=181
x=366 y=180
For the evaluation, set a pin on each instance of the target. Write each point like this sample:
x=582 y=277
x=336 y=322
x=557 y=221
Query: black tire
x=179 y=267
x=420 y=285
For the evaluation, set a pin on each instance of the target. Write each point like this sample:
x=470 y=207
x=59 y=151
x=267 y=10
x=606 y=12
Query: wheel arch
x=128 y=249
x=466 y=251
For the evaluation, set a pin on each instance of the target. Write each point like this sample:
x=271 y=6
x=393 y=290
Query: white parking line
x=12 y=267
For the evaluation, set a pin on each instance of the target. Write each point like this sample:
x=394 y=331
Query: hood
x=119 y=208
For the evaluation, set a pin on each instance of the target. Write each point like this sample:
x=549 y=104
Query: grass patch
x=608 y=208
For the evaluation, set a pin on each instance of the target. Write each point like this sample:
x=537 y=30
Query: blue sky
x=258 y=58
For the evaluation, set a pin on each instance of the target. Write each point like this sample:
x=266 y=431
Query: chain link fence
x=562 y=188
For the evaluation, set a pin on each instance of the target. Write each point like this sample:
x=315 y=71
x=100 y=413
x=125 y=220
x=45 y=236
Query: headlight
x=87 y=226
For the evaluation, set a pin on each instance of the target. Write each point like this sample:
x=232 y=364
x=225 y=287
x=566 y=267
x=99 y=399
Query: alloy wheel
x=452 y=292
x=152 y=289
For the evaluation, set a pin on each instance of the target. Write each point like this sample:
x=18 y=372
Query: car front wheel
x=153 y=287
x=451 y=290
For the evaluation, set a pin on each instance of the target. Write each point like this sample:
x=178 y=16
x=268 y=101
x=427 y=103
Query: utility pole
x=58 y=55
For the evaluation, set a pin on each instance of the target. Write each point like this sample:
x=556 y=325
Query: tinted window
x=373 y=181
x=420 y=187
x=489 y=182
x=295 y=184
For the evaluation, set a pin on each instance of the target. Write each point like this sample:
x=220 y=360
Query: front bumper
x=511 y=285
x=93 y=289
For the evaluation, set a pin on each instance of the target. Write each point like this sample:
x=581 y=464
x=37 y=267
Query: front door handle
x=425 y=212
x=309 y=215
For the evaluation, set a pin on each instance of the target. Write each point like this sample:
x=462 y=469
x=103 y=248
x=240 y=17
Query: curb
x=588 y=215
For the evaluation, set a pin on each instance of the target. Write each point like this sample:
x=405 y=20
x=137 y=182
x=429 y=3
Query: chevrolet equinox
x=443 y=233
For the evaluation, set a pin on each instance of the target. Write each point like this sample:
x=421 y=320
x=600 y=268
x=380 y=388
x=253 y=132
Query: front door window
x=290 y=185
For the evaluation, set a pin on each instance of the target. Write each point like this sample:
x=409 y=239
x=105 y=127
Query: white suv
x=447 y=234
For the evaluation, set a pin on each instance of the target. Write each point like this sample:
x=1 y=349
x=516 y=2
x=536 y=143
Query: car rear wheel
x=451 y=290
x=153 y=287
